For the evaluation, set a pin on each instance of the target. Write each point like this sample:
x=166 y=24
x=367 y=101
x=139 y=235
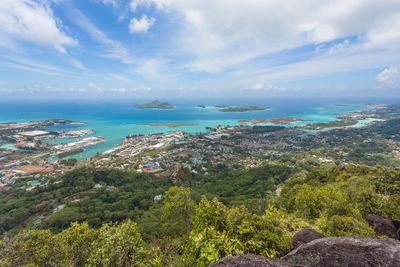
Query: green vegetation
x=205 y=218
x=98 y=196
x=155 y=105
x=110 y=245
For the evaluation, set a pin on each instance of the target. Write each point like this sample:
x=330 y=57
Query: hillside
x=188 y=227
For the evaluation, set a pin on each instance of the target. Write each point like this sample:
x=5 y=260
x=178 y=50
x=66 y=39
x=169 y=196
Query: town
x=25 y=153
x=31 y=159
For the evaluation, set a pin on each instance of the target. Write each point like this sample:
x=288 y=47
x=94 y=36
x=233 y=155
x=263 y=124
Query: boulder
x=305 y=235
x=346 y=251
x=250 y=261
x=397 y=226
x=382 y=226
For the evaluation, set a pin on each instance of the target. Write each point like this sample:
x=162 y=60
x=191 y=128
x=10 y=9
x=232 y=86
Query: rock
x=382 y=226
x=346 y=251
x=397 y=226
x=342 y=166
x=250 y=261
x=305 y=235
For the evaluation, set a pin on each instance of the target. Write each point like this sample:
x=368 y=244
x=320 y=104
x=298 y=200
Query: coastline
x=189 y=119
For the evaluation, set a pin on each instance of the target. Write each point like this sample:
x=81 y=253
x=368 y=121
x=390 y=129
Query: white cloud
x=91 y=88
x=77 y=63
x=153 y=69
x=260 y=27
x=324 y=65
x=113 y=49
x=32 y=66
x=134 y=4
x=336 y=48
x=121 y=90
x=119 y=77
x=269 y=87
x=385 y=34
x=389 y=76
x=113 y=3
x=258 y=86
x=32 y=21
x=141 y=25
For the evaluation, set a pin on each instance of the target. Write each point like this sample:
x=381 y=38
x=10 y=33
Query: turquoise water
x=115 y=120
x=8 y=147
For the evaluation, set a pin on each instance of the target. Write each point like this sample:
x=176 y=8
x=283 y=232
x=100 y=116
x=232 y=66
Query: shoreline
x=115 y=133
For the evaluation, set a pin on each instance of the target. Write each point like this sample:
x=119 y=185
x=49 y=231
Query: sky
x=199 y=48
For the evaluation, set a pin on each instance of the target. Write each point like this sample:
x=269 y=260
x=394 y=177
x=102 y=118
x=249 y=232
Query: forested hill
x=145 y=220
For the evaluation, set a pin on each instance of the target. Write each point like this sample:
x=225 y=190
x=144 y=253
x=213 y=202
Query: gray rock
x=342 y=166
x=346 y=251
x=305 y=235
x=382 y=226
x=397 y=226
x=250 y=261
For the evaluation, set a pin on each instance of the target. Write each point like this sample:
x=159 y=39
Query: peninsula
x=155 y=105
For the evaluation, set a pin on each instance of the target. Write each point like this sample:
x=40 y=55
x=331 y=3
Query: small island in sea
x=224 y=108
x=272 y=121
x=169 y=124
x=155 y=105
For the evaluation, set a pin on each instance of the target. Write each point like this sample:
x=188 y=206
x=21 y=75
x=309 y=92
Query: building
x=151 y=167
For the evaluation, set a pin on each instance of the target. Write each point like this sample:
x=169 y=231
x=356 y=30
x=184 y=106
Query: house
x=151 y=167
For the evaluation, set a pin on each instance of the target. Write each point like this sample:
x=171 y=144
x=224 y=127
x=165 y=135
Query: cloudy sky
x=199 y=48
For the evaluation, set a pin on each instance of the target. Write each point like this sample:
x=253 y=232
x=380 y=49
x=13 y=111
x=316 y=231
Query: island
x=241 y=108
x=272 y=121
x=155 y=105
x=168 y=124
x=201 y=106
x=32 y=124
x=341 y=123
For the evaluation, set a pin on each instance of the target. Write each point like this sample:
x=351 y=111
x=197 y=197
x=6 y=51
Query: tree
x=36 y=248
x=220 y=231
x=117 y=245
x=338 y=225
x=78 y=241
x=178 y=210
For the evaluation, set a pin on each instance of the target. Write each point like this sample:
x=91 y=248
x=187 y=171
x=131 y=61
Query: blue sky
x=199 y=48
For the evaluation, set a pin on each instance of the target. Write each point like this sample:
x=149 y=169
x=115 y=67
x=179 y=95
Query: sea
x=116 y=119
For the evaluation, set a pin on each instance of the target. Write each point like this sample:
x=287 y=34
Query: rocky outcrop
x=346 y=251
x=382 y=226
x=304 y=236
x=250 y=261
x=313 y=249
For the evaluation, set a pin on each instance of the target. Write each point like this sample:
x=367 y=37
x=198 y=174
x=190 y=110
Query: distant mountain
x=155 y=105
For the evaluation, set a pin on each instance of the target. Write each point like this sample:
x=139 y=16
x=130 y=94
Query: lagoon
x=114 y=120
